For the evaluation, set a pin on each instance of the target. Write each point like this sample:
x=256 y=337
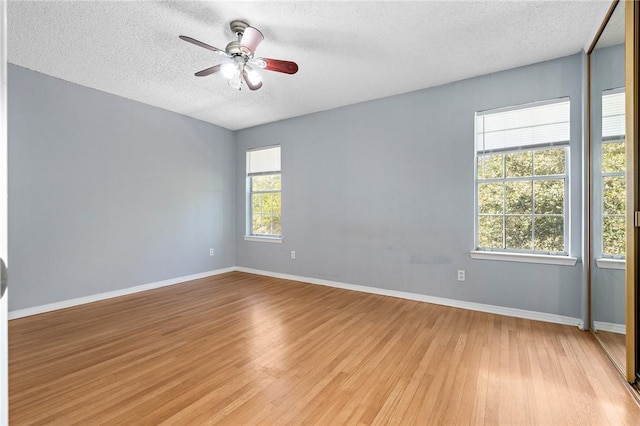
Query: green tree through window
x=613 y=199
x=613 y=165
x=522 y=181
x=265 y=205
x=525 y=209
x=264 y=189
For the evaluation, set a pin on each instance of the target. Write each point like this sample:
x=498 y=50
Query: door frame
x=4 y=354
x=632 y=29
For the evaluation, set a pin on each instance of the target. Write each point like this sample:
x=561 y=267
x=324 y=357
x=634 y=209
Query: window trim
x=249 y=235
x=610 y=263
x=565 y=215
x=263 y=239
x=529 y=256
x=606 y=261
x=510 y=256
x=602 y=214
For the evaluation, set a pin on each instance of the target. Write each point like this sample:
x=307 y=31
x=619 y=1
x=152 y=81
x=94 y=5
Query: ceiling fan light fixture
x=235 y=82
x=254 y=76
x=229 y=70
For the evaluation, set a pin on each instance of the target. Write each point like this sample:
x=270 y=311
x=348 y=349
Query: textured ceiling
x=348 y=51
x=614 y=30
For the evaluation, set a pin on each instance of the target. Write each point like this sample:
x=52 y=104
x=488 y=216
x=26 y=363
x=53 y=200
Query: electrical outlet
x=461 y=275
x=212 y=252
x=293 y=254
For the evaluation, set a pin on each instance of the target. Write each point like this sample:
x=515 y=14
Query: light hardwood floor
x=616 y=345
x=244 y=349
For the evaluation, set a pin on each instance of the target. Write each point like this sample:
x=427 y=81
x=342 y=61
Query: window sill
x=524 y=257
x=277 y=240
x=606 y=263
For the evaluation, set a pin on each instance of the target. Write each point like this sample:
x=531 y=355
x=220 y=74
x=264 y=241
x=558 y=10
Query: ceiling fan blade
x=250 y=85
x=208 y=71
x=205 y=45
x=251 y=38
x=277 y=65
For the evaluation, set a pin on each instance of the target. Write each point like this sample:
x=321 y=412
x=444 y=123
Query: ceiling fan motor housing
x=238 y=27
x=234 y=48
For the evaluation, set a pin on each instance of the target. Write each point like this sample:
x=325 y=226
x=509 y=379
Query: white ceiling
x=614 y=30
x=347 y=51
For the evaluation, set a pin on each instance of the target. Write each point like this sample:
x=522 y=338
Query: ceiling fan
x=238 y=58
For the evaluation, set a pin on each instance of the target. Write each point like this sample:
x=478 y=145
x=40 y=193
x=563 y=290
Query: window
x=522 y=158
x=263 y=184
x=612 y=170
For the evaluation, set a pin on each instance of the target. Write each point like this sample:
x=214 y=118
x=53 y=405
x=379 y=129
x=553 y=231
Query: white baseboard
x=611 y=327
x=492 y=309
x=111 y=294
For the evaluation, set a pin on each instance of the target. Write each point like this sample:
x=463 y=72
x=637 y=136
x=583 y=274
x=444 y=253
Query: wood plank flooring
x=244 y=349
x=616 y=345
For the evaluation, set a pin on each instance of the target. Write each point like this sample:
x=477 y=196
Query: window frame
x=545 y=178
x=603 y=215
x=524 y=255
x=249 y=234
x=607 y=261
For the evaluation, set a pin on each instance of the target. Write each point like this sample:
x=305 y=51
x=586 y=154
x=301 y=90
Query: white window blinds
x=264 y=160
x=613 y=114
x=540 y=124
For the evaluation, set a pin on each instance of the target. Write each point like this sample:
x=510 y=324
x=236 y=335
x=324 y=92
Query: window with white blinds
x=264 y=192
x=521 y=191
x=613 y=114
x=264 y=160
x=541 y=124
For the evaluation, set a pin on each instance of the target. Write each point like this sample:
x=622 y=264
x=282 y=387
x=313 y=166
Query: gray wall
x=381 y=193
x=106 y=193
x=607 y=285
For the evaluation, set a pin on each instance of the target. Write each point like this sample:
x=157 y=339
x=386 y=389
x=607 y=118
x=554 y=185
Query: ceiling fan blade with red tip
x=277 y=65
x=201 y=44
x=250 y=85
x=251 y=38
x=208 y=71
